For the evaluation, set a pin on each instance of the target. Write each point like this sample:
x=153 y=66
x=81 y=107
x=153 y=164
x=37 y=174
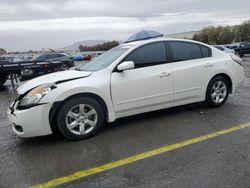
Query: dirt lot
x=223 y=161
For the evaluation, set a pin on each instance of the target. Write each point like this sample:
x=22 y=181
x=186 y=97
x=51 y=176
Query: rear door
x=147 y=85
x=192 y=67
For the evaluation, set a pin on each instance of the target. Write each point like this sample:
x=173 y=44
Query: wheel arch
x=56 y=106
x=228 y=78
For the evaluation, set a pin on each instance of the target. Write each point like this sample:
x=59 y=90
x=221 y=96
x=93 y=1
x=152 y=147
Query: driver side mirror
x=126 y=65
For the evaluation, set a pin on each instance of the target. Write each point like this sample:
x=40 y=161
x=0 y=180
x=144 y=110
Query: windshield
x=104 y=60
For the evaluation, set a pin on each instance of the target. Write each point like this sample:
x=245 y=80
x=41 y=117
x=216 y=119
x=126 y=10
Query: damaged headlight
x=36 y=94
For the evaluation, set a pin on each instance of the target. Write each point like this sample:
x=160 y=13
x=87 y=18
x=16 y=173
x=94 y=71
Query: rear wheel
x=80 y=118
x=239 y=54
x=2 y=81
x=217 y=91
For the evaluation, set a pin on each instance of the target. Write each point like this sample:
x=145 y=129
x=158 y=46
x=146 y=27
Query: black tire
x=2 y=82
x=239 y=54
x=64 y=67
x=67 y=106
x=210 y=90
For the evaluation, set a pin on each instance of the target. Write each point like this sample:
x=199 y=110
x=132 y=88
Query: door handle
x=165 y=74
x=209 y=65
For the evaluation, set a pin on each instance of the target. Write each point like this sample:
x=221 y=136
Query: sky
x=36 y=24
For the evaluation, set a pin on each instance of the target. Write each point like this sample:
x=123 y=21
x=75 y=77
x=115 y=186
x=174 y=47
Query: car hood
x=58 y=77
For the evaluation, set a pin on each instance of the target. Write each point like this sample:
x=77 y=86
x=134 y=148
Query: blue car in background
x=79 y=57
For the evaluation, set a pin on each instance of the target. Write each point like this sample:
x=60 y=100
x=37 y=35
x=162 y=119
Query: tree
x=99 y=47
x=244 y=32
x=215 y=35
x=81 y=48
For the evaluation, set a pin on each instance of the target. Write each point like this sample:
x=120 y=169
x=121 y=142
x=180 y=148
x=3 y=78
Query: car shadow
x=4 y=89
x=154 y=115
x=118 y=125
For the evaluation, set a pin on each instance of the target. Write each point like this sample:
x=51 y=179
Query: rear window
x=183 y=51
x=206 y=52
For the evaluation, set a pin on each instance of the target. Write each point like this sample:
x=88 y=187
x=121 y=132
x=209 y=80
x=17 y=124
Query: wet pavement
x=220 y=162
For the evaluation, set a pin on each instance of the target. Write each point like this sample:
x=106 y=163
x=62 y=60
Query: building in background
x=185 y=35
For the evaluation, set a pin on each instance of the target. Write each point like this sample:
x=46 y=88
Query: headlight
x=36 y=94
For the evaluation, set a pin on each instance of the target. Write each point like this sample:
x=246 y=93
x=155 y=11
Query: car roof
x=54 y=53
x=147 y=41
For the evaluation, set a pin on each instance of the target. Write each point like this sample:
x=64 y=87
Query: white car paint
x=130 y=92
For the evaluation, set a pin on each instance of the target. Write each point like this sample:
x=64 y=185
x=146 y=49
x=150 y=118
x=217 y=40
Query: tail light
x=236 y=59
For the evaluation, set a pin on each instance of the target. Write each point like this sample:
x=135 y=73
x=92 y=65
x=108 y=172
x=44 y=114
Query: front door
x=147 y=85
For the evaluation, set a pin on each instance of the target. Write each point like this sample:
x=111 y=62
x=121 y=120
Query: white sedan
x=130 y=79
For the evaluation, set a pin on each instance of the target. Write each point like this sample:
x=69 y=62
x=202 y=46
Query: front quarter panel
x=98 y=83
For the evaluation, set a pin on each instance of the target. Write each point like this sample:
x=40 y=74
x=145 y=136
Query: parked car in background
x=88 y=57
x=3 y=59
x=232 y=46
x=224 y=49
x=79 y=57
x=63 y=59
x=130 y=79
x=47 y=63
x=243 y=49
x=39 y=65
x=28 y=58
x=55 y=58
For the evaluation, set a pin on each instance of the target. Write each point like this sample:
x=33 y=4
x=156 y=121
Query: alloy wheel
x=81 y=119
x=219 y=92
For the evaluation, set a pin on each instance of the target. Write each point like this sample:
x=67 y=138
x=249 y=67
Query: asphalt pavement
x=223 y=161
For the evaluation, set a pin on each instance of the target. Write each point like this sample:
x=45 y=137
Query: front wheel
x=80 y=118
x=64 y=67
x=217 y=91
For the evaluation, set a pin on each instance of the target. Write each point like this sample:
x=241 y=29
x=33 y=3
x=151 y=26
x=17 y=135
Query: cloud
x=65 y=21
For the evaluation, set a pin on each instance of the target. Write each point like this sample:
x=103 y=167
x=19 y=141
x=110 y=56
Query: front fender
x=66 y=90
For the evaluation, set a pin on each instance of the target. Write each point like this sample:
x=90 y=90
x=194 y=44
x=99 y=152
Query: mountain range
x=75 y=46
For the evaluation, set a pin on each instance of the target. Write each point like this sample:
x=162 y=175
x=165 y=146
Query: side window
x=52 y=56
x=148 y=55
x=42 y=58
x=244 y=45
x=206 y=52
x=59 y=55
x=183 y=51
